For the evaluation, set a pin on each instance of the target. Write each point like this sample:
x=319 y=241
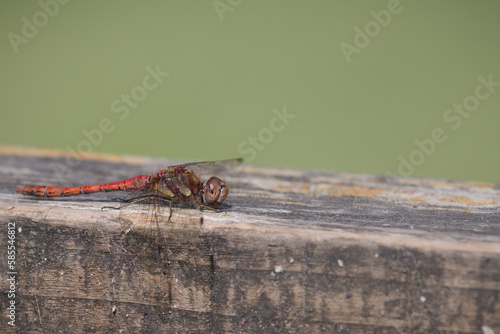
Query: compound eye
x=215 y=191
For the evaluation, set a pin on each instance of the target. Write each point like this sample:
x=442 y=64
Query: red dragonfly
x=180 y=184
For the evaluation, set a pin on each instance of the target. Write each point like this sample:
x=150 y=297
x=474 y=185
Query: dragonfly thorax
x=179 y=185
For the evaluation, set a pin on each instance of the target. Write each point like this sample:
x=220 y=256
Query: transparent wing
x=210 y=168
x=228 y=162
x=144 y=212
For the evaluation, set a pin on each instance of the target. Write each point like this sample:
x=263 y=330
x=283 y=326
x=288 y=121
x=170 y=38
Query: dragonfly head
x=215 y=191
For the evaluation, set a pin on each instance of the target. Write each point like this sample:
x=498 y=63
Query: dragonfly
x=175 y=184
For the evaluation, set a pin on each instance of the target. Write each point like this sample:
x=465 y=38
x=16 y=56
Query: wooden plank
x=293 y=251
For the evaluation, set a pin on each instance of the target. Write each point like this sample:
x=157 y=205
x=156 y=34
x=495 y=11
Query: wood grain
x=292 y=251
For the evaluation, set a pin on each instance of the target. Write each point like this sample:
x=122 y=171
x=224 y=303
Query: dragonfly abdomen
x=134 y=183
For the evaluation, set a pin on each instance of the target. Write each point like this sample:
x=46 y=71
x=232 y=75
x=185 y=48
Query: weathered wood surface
x=292 y=252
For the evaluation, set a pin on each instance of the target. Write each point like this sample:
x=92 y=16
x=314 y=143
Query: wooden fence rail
x=292 y=251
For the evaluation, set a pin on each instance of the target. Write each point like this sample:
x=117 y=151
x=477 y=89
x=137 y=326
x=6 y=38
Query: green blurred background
x=357 y=101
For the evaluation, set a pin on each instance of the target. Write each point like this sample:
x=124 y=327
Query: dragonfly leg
x=138 y=200
x=123 y=205
x=207 y=207
x=152 y=197
x=114 y=207
x=170 y=215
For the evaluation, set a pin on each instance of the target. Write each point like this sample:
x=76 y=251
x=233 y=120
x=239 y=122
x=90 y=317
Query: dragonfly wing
x=228 y=162
x=209 y=168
